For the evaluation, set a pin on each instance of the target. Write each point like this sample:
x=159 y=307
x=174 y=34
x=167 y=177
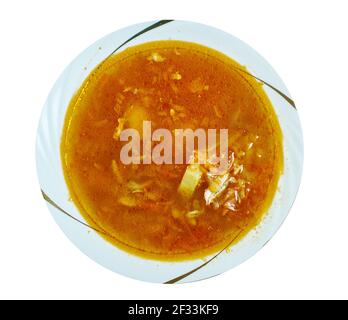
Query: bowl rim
x=48 y=141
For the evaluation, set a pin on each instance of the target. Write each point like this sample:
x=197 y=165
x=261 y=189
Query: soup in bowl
x=136 y=150
x=169 y=151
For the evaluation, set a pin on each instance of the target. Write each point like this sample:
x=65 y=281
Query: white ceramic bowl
x=51 y=174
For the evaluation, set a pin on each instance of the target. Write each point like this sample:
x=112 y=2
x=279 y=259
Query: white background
x=305 y=41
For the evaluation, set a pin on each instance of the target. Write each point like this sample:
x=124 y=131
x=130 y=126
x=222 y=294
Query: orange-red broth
x=139 y=206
